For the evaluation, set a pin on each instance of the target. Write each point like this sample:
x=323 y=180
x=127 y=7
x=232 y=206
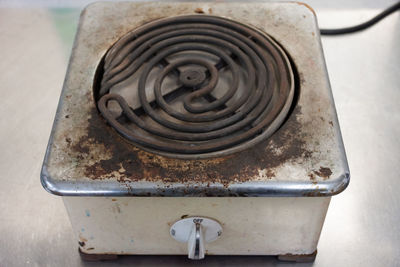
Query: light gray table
x=362 y=227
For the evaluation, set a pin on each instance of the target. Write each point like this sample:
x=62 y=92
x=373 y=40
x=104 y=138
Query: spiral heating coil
x=221 y=126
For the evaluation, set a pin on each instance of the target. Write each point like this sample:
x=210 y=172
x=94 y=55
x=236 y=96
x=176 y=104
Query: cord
x=364 y=25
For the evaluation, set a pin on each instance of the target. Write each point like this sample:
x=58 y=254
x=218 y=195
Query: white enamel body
x=250 y=226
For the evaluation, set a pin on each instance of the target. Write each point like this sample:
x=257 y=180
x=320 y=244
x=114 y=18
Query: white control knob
x=196 y=231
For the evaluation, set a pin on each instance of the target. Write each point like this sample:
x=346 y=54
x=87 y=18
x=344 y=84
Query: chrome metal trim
x=146 y=189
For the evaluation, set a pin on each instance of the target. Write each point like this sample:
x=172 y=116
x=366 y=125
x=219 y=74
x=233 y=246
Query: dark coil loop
x=223 y=125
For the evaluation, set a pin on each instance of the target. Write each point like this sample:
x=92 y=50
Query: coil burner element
x=195 y=86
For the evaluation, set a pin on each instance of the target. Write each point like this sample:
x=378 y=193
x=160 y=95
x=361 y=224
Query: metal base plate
x=97 y=257
x=298 y=258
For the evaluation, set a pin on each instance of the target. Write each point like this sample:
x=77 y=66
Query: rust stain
x=324 y=172
x=129 y=163
x=82 y=241
x=270 y=174
x=331 y=123
x=315 y=193
x=184 y=216
x=307 y=6
x=210 y=10
x=199 y=10
x=81 y=147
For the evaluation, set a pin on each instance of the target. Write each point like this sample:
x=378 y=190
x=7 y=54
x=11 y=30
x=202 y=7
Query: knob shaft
x=196 y=242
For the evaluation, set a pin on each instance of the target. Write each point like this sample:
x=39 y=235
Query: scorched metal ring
x=232 y=122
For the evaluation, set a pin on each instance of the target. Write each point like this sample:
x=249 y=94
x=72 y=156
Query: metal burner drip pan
x=290 y=152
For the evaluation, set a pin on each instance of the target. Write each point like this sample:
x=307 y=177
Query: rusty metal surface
x=304 y=158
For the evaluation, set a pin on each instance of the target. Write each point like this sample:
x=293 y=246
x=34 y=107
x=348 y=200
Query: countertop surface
x=361 y=227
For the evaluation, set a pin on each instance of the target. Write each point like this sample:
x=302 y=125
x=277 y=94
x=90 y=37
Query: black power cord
x=364 y=25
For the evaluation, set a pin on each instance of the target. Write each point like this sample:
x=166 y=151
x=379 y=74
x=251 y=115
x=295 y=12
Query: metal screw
x=219 y=233
x=197 y=220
